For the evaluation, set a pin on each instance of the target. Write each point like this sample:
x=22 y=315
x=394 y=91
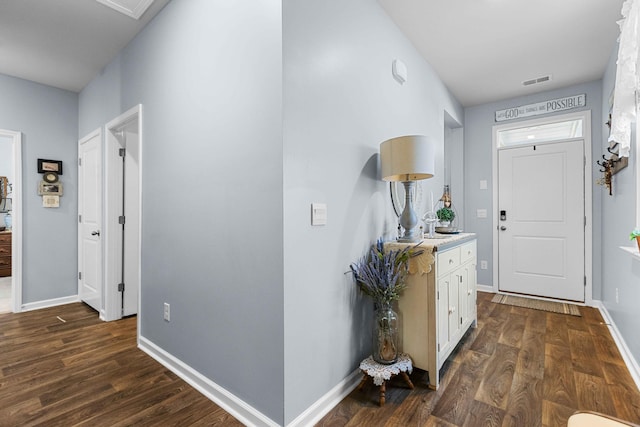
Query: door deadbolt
x=503 y=228
x=95 y=233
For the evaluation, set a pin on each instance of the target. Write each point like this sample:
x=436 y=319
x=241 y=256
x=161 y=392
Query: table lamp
x=408 y=159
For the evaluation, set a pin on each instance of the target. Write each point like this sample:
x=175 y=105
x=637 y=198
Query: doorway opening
x=539 y=209
x=11 y=221
x=123 y=141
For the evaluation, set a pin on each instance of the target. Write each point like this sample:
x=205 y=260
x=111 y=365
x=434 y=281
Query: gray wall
x=48 y=120
x=340 y=103
x=479 y=122
x=209 y=76
x=619 y=270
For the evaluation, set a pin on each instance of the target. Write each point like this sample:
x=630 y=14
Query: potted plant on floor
x=381 y=275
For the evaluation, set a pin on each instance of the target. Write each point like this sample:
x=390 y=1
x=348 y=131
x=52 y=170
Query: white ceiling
x=64 y=43
x=484 y=49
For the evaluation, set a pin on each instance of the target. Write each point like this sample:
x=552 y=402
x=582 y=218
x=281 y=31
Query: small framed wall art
x=46 y=189
x=45 y=166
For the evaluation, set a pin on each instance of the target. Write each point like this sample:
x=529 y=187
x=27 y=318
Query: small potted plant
x=445 y=216
x=635 y=234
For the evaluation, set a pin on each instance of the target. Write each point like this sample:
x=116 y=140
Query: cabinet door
x=454 y=306
x=461 y=276
x=471 y=291
x=444 y=338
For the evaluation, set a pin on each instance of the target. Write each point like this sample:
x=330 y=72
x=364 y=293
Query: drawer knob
x=450 y=261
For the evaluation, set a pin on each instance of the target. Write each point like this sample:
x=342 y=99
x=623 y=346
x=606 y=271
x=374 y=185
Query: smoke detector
x=132 y=8
x=537 y=80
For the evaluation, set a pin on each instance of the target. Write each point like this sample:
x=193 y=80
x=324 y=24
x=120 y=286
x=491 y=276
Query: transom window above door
x=547 y=132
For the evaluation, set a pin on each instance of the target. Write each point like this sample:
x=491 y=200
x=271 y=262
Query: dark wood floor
x=88 y=372
x=520 y=367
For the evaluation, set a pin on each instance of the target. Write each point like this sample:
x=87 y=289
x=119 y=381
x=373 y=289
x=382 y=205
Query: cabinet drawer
x=467 y=252
x=448 y=260
x=5 y=238
x=5 y=250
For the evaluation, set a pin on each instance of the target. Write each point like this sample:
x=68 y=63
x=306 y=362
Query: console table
x=439 y=303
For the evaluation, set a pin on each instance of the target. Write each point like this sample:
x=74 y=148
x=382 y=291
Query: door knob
x=503 y=228
x=95 y=233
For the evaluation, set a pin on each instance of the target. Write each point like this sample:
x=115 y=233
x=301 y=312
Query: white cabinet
x=438 y=307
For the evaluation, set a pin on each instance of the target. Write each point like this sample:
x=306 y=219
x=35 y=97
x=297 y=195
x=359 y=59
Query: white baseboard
x=326 y=403
x=241 y=410
x=627 y=356
x=49 y=303
x=485 y=288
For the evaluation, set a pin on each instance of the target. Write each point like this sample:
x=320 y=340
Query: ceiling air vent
x=536 y=80
x=132 y=8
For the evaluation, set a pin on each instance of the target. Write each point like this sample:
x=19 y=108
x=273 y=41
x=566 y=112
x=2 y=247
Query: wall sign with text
x=546 y=107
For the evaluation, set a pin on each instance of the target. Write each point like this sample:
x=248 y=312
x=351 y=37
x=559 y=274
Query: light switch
x=481 y=213
x=318 y=214
x=483 y=184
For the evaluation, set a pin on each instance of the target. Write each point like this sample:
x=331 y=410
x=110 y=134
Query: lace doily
x=381 y=373
x=417 y=264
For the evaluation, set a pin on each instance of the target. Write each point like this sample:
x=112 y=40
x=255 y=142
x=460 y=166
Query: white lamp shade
x=407 y=158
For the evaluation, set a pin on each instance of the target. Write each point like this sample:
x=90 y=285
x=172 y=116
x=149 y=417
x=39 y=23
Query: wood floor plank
x=524 y=407
x=483 y=415
x=554 y=414
x=559 y=384
x=593 y=394
x=531 y=355
x=496 y=382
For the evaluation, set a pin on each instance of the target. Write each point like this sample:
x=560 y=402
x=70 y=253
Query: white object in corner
x=399 y=70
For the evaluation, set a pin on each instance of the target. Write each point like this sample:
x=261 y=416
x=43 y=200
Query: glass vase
x=385 y=334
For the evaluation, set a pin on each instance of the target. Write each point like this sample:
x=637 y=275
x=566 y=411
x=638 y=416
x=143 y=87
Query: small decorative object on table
x=381 y=275
x=635 y=234
x=381 y=373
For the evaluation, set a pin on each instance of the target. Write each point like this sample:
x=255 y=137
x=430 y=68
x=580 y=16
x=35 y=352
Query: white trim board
x=326 y=403
x=627 y=356
x=241 y=410
x=37 y=305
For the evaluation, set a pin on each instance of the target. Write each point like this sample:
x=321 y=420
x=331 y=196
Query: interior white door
x=90 y=220
x=541 y=224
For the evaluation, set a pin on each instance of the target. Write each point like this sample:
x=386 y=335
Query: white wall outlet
x=318 y=214
x=483 y=184
x=481 y=213
x=483 y=265
x=167 y=311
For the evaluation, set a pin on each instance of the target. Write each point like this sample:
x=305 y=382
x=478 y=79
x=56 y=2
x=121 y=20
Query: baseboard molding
x=485 y=288
x=627 y=356
x=242 y=411
x=49 y=303
x=326 y=403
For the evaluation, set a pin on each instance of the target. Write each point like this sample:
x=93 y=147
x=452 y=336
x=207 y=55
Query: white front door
x=542 y=220
x=90 y=220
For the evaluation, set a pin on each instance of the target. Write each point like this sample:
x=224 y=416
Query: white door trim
x=16 y=214
x=113 y=305
x=588 y=195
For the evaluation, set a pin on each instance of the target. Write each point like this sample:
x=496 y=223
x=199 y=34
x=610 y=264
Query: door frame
x=16 y=215
x=113 y=195
x=585 y=115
